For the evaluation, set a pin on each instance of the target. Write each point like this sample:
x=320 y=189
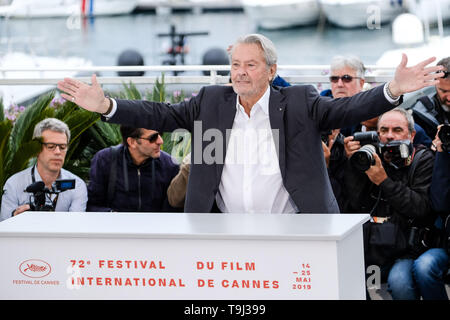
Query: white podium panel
x=181 y=256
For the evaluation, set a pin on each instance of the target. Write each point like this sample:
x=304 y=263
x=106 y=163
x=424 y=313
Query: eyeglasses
x=345 y=78
x=151 y=138
x=52 y=146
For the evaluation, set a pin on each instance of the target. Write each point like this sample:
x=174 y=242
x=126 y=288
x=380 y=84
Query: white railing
x=295 y=74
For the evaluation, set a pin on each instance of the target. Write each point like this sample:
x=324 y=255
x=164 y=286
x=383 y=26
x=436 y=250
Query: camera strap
x=412 y=168
x=33 y=179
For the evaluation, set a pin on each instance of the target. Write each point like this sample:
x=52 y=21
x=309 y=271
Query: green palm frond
x=106 y=134
x=5 y=132
x=131 y=92
x=159 y=91
x=2 y=110
x=21 y=158
x=78 y=123
x=65 y=110
x=24 y=125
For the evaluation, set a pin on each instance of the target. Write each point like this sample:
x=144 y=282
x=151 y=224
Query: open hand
x=89 y=97
x=409 y=79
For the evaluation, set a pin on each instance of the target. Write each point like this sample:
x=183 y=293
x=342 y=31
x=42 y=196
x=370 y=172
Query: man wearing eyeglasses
x=54 y=136
x=133 y=176
x=434 y=109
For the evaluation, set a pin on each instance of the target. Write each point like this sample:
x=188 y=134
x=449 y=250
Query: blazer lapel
x=226 y=114
x=277 y=107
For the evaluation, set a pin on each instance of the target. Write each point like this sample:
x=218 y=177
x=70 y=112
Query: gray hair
x=350 y=61
x=406 y=113
x=52 y=124
x=445 y=63
x=267 y=46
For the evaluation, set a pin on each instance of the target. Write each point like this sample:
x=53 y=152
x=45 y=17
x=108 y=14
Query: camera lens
x=362 y=159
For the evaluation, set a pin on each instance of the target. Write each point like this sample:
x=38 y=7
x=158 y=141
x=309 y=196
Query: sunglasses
x=52 y=146
x=345 y=78
x=151 y=138
x=446 y=73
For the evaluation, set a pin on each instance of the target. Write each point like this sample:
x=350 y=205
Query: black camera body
x=363 y=159
x=40 y=192
x=444 y=136
x=396 y=153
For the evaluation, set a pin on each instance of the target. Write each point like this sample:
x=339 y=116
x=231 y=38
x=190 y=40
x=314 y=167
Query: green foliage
x=2 y=109
x=159 y=91
x=131 y=92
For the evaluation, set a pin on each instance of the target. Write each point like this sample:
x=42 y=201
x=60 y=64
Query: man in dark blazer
x=296 y=115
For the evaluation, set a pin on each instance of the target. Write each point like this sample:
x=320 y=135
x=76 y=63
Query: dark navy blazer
x=298 y=112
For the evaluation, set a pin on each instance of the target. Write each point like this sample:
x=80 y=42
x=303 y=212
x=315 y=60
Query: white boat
x=428 y=11
x=360 y=13
x=19 y=94
x=65 y=8
x=277 y=14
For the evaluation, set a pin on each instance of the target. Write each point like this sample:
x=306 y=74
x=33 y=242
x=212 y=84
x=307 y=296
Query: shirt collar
x=37 y=176
x=263 y=102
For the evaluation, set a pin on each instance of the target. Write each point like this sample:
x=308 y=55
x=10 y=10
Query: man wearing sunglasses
x=133 y=176
x=434 y=109
x=293 y=177
x=54 y=136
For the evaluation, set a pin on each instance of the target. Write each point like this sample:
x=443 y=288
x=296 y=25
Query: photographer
x=394 y=188
x=54 y=136
x=440 y=184
x=434 y=109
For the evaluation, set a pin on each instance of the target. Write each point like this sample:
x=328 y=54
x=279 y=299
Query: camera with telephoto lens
x=444 y=136
x=362 y=159
x=41 y=192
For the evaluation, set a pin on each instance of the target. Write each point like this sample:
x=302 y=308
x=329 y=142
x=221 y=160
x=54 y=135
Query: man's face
x=52 y=160
x=394 y=126
x=443 y=91
x=341 y=89
x=144 y=147
x=250 y=74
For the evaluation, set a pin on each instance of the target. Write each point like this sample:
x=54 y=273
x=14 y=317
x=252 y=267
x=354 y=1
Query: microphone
x=35 y=187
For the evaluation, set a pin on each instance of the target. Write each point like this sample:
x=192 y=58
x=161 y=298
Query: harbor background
x=102 y=39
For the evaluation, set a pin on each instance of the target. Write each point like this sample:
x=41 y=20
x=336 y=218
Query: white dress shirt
x=251 y=179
